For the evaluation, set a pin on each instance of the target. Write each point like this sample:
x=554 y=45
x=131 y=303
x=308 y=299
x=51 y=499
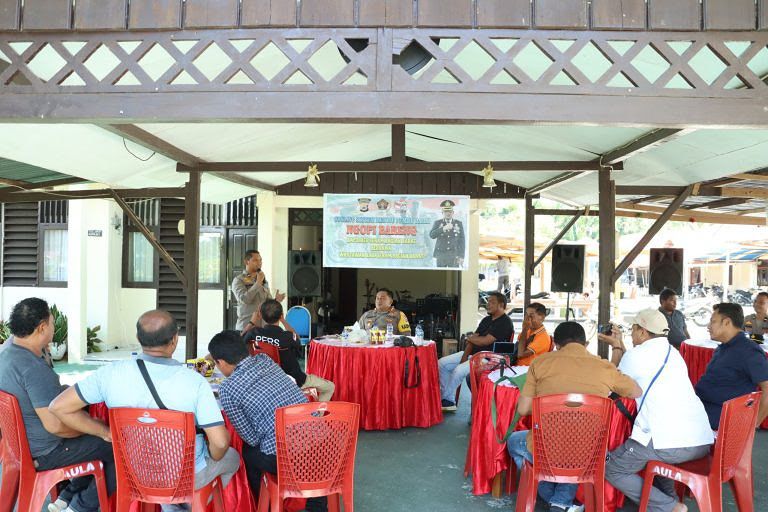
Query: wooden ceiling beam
x=693 y=217
x=553 y=182
x=233 y=177
x=32 y=196
x=398 y=143
x=394 y=166
x=641 y=144
x=720 y=203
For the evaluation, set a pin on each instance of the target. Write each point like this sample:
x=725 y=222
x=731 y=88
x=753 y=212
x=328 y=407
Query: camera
x=605 y=329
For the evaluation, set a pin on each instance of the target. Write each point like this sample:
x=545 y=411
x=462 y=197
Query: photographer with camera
x=671 y=424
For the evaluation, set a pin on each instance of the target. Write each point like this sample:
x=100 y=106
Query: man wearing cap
x=449 y=235
x=671 y=424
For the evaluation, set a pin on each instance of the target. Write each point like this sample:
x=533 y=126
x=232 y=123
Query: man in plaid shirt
x=254 y=388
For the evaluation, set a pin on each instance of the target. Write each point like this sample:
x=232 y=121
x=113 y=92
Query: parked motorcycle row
x=697 y=306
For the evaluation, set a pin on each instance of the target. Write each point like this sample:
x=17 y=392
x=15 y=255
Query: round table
x=487 y=458
x=697 y=354
x=373 y=376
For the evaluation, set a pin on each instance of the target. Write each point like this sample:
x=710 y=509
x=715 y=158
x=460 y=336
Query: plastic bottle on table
x=419 y=332
x=390 y=333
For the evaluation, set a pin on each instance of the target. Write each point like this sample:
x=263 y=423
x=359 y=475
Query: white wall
x=11 y=295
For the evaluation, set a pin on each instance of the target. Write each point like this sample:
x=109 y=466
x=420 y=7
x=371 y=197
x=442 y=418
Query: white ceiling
x=90 y=152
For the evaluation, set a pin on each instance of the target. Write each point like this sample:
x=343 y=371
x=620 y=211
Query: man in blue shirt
x=254 y=388
x=121 y=384
x=738 y=366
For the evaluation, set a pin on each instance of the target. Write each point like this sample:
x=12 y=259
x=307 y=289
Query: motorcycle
x=698 y=309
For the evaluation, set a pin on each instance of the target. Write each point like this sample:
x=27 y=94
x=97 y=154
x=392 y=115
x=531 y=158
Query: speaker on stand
x=665 y=270
x=568 y=271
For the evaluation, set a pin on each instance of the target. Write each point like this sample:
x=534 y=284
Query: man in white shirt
x=671 y=424
x=502 y=267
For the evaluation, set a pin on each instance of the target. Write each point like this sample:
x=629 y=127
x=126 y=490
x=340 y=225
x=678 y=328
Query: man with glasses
x=671 y=424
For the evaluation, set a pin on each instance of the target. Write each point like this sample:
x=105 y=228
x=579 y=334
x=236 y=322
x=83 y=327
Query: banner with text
x=395 y=231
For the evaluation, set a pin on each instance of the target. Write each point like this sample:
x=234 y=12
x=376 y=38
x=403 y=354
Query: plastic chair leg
x=599 y=491
x=526 y=492
x=645 y=495
x=743 y=492
x=708 y=495
x=349 y=505
x=334 y=503
x=9 y=488
x=510 y=484
x=263 y=505
x=589 y=498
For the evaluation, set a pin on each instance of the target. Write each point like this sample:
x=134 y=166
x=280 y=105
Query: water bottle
x=134 y=355
x=390 y=333
x=419 y=333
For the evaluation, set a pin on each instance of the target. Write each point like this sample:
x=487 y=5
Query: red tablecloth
x=486 y=457
x=373 y=378
x=237 y=495
x=697 y=358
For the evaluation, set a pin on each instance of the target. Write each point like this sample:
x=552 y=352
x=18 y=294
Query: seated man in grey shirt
x=678 y=330
x=25 y=375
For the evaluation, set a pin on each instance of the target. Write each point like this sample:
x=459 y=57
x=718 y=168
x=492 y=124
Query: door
x=239 y=240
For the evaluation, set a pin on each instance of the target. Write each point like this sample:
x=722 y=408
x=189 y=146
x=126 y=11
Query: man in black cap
x=449 y=233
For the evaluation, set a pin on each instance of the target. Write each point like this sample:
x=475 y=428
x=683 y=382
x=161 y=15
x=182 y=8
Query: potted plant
x=5 y=331
x=93 y=339
x=58 y=345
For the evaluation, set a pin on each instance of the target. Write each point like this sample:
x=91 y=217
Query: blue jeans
x=551 y=492
x=452 y=372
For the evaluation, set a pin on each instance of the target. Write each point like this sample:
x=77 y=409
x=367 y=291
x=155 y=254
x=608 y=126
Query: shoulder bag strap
x=150 y=384
x=416 y=369
x=642 y=401
x=494 y=413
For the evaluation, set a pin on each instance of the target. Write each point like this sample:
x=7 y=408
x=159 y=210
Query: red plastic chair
x=570 y=441
x=155 y=456
x=20 y=480
x=316 y=445
x=480 y=363
x=272 y=351
x=731 y=461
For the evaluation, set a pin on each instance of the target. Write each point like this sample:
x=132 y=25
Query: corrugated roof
x=13 y=170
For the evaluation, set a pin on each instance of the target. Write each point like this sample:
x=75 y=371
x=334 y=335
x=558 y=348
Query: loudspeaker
x=568 y=268
x=304 y=273
x=666 y=270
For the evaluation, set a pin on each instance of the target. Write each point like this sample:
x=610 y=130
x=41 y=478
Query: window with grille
x=53 y=219
x=140 y=261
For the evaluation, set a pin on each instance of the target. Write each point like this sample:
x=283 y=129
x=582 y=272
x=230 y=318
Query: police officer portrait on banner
x=448 y=234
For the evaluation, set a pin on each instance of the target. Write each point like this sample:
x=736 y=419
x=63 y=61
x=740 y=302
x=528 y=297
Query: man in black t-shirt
x=272 y=315
x=497 y=326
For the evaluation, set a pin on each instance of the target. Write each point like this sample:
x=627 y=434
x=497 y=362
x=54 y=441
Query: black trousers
x=257 y=462
x=81 y=492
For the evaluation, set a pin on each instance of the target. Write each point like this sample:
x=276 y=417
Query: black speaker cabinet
x=666 y=270
x=304 y=276
x=568 y=268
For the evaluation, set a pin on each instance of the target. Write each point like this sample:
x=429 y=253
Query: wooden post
x=607 y=191
x=530 y=216
x=192 y=258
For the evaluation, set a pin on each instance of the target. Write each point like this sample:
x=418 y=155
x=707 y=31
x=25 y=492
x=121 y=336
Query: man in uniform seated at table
x=755 y=324
x=53 y=444
x=121 y=384
x=571 y=369
x=738 y=365
x=271 y=313
x=671 y=424
x=254 y=388
x=533 y=339
x=385 y=313
x=497 y=326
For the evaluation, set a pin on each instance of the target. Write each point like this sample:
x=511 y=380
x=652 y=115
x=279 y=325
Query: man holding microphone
x=251 y=290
